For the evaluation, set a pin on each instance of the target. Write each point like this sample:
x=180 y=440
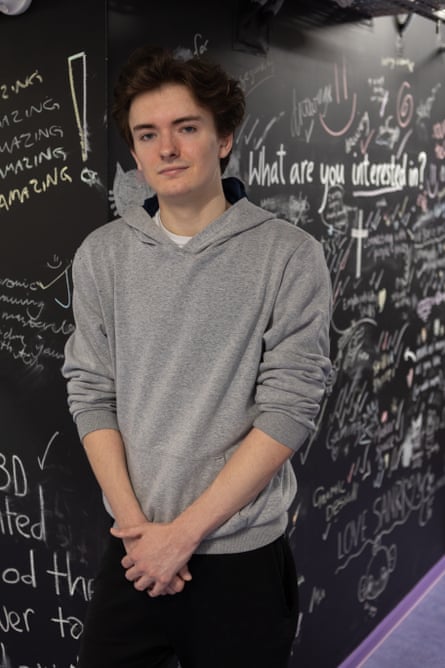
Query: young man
x=195 y=372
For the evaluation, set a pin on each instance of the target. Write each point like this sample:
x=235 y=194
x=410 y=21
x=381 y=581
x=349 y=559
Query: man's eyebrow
x=187 y=119
x=177 y=121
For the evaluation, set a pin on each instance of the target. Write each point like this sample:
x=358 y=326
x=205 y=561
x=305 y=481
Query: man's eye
x=146 y=136
x=188 y=129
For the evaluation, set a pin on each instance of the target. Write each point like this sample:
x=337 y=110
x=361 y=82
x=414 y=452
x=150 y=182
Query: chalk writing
x=13 y=576
x=32 y=161
x=16 y=116
x=265 y=173
x=17 y=86
x=317 y=597
x=374 y=582
x=309 y=108
x=65 y=582
x=392 y=63
x=11 y=620
x=342 y=98
x=20 y=524
x=423 y=110
x=34 y=186
x=335 y=498
x=362 y=136
x=252 y=78
x=27 y=334
x=27 y=140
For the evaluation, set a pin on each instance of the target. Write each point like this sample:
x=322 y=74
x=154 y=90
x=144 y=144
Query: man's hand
x=156 y=558
x=158 y=554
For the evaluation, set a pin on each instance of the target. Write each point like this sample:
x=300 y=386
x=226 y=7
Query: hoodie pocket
x=167 y=483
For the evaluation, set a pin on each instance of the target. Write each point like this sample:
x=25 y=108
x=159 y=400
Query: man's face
x=176 y=145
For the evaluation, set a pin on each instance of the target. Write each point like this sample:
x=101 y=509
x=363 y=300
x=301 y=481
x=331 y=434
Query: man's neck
x=188 y=219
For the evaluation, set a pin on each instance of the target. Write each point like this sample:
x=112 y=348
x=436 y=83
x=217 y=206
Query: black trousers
x=239 y=611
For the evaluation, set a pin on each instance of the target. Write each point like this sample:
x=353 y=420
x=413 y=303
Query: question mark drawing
x=422 y=162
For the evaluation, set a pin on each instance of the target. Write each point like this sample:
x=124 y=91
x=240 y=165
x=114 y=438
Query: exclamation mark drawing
x=77 y=72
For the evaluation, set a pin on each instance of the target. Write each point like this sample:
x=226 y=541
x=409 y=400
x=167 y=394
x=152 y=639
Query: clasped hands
x=156 y=559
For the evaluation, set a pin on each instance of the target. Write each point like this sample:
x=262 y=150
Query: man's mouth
x=172 y=170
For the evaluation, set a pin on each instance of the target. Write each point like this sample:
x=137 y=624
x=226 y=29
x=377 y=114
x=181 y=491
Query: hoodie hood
x=233 y=190
x=239 y=217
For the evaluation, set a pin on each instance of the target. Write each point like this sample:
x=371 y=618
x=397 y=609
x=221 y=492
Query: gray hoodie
x=183 y=350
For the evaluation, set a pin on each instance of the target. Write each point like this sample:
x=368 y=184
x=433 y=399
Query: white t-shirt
x=179 y=239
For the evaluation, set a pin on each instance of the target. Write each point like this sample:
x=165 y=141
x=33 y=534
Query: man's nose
x=168 y=146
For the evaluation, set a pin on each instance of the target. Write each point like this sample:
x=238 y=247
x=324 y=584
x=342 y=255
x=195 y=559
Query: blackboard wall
x=52 y=192
x=344 y=136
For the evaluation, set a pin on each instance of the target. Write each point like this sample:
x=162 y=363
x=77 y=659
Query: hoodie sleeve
x=295 y=364
x=88 y=365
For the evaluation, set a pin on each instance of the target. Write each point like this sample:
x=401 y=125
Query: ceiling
x=425 y=8
x=310 y=13
x=335 y=10
x=325 y=12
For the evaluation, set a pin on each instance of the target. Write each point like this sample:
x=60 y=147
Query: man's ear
x=135 y=158
x=225 y=145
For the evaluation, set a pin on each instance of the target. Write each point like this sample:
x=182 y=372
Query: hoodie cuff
x=283 y=429
x=88 y=421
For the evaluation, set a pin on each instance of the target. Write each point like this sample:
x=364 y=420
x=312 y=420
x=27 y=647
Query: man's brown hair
x=149 y=68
